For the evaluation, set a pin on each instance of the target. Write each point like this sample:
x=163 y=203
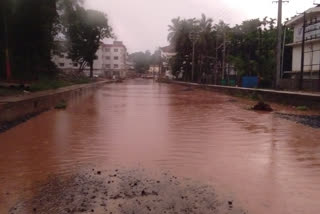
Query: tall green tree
x=85 y=31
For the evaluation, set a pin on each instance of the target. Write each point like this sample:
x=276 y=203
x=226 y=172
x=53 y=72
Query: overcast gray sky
x=143 y=24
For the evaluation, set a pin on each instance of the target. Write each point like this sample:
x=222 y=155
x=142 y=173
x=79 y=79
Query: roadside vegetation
x=248 y=48
x=29 y=31
x=143 y=60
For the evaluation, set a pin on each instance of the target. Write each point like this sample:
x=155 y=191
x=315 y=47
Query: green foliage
x=143 y=60
x=32 y=27
x=250 y=48
x=46 y=84
x=302 y=108
x=86 y=30
x=55 y=82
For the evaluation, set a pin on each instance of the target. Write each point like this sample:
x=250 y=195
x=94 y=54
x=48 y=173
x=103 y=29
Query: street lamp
x=194 y=36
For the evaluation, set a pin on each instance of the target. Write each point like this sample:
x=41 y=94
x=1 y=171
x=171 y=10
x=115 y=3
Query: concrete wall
x=16 y=108
x=293 y=84
x=284 y=97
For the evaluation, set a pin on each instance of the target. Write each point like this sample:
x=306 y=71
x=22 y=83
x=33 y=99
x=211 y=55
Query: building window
x=107 y=66
x=61 y=64
x=108 y=57
x=116 y=50
x=115 y=66
x=116 y=58
x=107 y=49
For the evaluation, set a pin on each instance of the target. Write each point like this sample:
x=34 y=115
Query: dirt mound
x=124 y=192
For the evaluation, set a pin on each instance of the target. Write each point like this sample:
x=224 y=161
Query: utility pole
x=193 y=37
x=279 y=42
x=302 y=50
x=224 y=56
x=193 y=58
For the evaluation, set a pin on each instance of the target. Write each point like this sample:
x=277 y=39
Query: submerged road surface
x=133 y=131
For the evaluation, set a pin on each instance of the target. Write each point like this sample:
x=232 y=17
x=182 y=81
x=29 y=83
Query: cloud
x=143 y=24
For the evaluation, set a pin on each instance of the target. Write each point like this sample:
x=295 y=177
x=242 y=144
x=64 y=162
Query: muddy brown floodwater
x=261 y=161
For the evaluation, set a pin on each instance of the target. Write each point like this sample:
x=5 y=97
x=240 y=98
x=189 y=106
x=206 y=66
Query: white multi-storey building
x=111 y=61
x=312 y=43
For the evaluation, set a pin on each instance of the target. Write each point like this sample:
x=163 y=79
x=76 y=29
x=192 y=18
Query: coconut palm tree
x=174 y=29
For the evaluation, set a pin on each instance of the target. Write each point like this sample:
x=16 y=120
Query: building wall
x=311 y=58
x=312 y=47
x=298 y=33
x=111 y=60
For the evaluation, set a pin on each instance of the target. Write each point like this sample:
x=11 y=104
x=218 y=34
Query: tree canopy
x=143 y=60
x=249 y=48
x=34 y=25
x=31 y=26
x=86 y=30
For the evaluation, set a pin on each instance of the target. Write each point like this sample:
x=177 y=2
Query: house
x=312 y=44
x=111 y=60
x=167 y=53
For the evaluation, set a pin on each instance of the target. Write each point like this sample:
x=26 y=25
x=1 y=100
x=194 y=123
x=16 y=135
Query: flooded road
x=266 y=163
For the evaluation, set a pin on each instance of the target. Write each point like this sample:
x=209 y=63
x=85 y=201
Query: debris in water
x=262 y=106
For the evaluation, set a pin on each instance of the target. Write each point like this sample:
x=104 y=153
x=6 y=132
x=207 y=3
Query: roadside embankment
x=309 y=100
x=17 y=109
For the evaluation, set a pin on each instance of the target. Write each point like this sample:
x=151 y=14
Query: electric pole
x=194 y=36
x=193 y=58
x=224 y=56
x=279 y=44
x=302 y=51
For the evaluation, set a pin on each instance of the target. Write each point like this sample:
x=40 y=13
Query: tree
x=86 y=30
x=248 y=47
x=141 y=60
x=31 y=31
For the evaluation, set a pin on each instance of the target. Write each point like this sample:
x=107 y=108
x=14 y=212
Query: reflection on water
x=270 y=164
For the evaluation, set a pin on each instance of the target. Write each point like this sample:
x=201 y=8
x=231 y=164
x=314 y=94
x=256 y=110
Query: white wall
x=100 y=64
x=309 y=57
x=312 y=48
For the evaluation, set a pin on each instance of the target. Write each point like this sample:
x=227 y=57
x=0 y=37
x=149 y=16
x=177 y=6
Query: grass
x=302 y=108
x=47 y=84
x=251 y=96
